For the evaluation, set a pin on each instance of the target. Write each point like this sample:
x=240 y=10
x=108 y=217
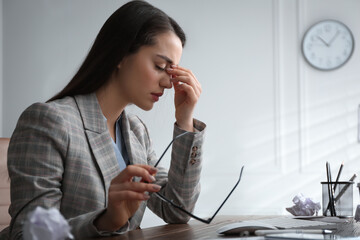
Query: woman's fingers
x=123 y=183
x=187 y=93
x=125 y=196
x=146 y=172
x=129 y=195
x=135 y=187
x=190 y=92
x=184 y=75
x=187 y=80
x=178 y=71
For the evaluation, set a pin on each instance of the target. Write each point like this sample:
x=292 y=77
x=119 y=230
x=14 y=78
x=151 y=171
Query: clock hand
x=334 y=37
x=322 y=40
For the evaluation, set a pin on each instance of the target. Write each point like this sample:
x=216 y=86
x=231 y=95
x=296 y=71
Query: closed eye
x=160 y=68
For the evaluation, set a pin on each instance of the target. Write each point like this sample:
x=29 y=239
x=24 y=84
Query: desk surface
x=197 y=230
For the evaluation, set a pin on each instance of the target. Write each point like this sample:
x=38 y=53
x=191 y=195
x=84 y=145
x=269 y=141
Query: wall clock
x=328 y=45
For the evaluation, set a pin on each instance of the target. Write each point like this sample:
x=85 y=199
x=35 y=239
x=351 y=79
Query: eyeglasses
x=181 y=208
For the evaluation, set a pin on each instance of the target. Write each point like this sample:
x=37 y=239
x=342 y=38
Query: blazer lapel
x=135 y=150
x=98 y=137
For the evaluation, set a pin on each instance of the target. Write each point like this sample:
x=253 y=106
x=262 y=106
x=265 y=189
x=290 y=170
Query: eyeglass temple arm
x=207 y=221
x=182 y=209
x=237 y=183
x=180 y=135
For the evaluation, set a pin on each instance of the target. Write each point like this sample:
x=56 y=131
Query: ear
x=119 y=65
x=122 y=63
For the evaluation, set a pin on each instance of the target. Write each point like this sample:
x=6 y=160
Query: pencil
x=330 y=190
x=345 y=188
x=338 y=175
x=336 y=182
x=328 y=184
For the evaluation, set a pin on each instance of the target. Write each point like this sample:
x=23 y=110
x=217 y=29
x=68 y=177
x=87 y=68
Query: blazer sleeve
x=182 y=182
x=36 y=158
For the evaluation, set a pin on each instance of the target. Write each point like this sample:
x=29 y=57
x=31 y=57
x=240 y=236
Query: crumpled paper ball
x=304 y=206
x=42 y=224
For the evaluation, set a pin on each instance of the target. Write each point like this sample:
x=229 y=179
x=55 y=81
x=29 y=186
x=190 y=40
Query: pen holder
x=343 y=198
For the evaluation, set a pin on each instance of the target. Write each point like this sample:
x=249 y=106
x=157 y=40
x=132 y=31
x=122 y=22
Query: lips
x=156 y=96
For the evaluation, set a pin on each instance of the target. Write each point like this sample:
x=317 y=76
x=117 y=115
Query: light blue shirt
x=119 y=146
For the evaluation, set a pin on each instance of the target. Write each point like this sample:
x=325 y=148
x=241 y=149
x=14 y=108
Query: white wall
x=264 y=106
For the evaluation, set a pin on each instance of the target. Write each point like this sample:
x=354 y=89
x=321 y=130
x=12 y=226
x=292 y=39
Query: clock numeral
x=328 y=63
x=338 y=60
x=327 y=28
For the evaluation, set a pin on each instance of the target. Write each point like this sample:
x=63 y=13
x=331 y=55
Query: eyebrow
x=165 y=58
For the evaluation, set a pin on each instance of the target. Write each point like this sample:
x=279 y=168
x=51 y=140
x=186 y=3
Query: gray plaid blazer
x=61 y=155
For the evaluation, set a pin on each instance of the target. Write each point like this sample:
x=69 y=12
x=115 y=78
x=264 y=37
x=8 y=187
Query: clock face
x=328 y=45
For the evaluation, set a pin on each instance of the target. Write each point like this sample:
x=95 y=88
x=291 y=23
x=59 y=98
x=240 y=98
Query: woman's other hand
x=125 y=196
x=187 y=93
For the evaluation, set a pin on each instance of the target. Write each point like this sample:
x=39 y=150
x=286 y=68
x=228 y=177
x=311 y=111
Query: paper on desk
x=300 y=236
x=45 y=224
x=326 y=219
x=304 y=206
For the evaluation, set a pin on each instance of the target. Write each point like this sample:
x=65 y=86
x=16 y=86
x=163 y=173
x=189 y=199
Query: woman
x=83 y=154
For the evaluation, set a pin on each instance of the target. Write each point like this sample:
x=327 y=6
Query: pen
x=336 y=181
x=338 y=175
x=330 y=190
x=311 y=231
x=345 y=188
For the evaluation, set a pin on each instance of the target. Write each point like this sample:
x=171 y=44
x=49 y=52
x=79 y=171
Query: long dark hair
x=133 y=25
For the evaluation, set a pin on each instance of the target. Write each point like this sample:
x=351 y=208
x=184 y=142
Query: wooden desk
x=198 y=230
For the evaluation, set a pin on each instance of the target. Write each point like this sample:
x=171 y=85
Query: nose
x=165 y=81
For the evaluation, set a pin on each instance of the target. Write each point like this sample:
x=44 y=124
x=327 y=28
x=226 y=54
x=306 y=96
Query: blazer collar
x=98 y=137
x=91 y=113
x=94 y=122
